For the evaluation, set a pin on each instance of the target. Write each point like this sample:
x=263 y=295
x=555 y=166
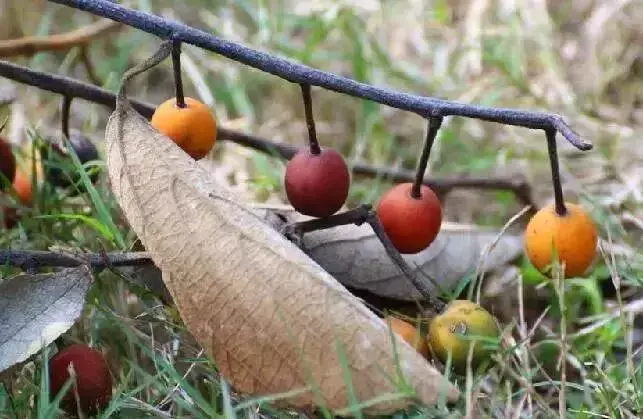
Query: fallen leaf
x=356 y=258
x=271 y=318
x=36 y=309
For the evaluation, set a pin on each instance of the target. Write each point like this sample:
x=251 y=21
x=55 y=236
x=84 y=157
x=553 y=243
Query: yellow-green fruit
x=453 y=332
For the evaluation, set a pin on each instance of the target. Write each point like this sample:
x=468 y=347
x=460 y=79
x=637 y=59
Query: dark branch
x=30 y=259
x=76 y=89
x=358 y=216
x=298 y=73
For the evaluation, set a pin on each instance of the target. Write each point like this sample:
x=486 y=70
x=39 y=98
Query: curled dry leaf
x=272 y=319
x=356 y=258
x=36 y=309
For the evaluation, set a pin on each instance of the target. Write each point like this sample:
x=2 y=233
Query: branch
x=76 y=89
x=30 y=259
x=299 y=73
x=31 y=45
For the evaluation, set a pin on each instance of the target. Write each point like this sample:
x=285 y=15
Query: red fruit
x=317 y=184
x=411 y=223
x=7 y=164
x=94 y=382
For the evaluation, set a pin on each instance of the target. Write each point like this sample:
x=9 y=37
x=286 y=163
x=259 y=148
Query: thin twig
x=31 y=45
x=70 y=87
x=358 y=216
x=30 y=259
x=395 y=256
x=299 y=73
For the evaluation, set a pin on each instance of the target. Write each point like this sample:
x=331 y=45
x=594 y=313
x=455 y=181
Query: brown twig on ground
x=30 y=259
x=31 y=45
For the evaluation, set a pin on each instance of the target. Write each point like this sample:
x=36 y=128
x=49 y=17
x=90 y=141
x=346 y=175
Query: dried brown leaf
x=270 y=316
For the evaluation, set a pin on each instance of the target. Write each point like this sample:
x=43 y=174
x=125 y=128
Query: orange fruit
x=409 y=333
x=22 y=187
x=411 y=223
x=573 y=235
x=192 y=128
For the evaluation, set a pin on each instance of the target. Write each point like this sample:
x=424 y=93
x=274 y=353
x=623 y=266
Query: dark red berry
x=7 y=165
x=317 y=184
x=93 y=379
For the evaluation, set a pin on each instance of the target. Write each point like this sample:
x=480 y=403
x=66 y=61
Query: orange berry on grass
x=409 y=333
x=573 y=236
x=192 y=128
x=22 y=187
x=411 y=223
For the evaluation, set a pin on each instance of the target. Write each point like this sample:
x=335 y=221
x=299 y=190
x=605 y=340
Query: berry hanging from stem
x=316 y=181
x=411 y=213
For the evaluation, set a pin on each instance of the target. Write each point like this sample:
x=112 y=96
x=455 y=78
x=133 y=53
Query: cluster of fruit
x=462 y=327
x=19 y=179
x=317 y=182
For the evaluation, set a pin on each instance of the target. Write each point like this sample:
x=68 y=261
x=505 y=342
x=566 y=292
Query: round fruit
x=411 y=223
x=317 y=184
x=93 y=380
x=454 y=332
x=22 y=188
x=573 y=236
x=192 y=128
x=409 y=333
x=7 y=164
x=84 y=149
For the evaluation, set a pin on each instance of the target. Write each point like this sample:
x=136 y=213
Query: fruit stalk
x=64 y=115
x=310 y=121
x=433 y=126
x=176 y=68
x=555 y=172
